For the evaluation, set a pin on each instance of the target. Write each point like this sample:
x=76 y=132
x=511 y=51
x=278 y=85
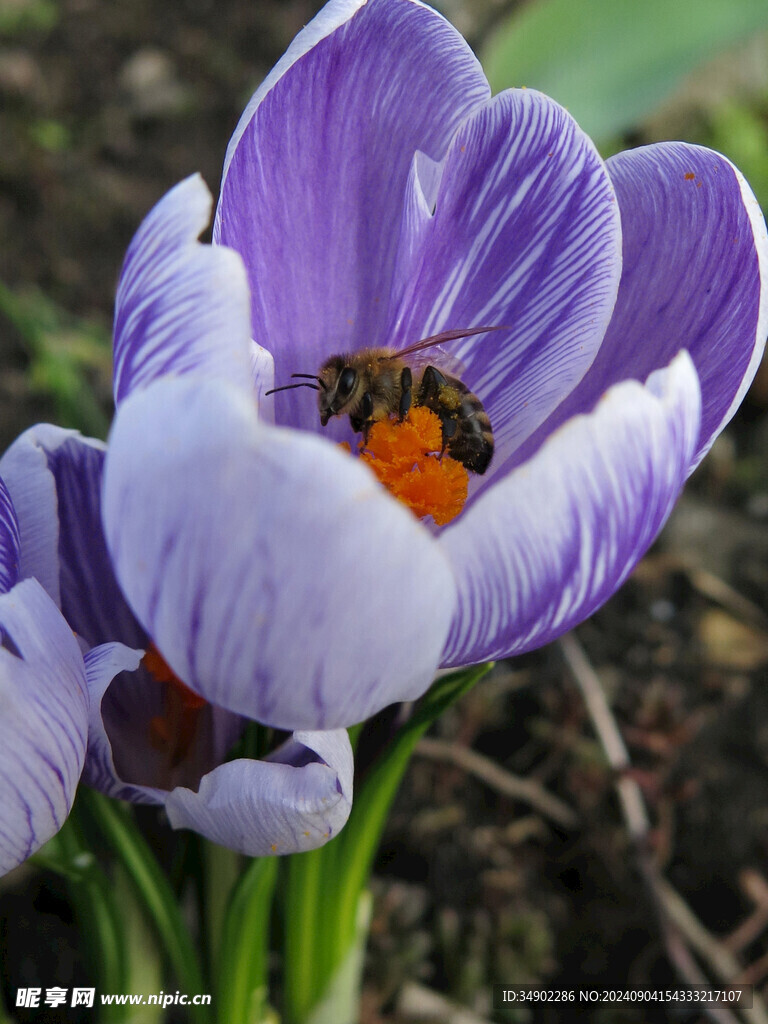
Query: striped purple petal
x=54 y=478
x=523 y=230
x=181 y=307
x=550 y=543
x=127 y=759
x=315 y=178
x=9 y=541
x=43 y=727
x=695 y=277
x=24 y=468
x=295 y=800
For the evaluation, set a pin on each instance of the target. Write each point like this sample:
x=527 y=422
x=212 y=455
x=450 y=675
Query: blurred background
x=480 y=880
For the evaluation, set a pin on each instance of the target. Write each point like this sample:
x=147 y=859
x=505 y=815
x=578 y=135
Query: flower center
x=175 y=729
x=408 y=459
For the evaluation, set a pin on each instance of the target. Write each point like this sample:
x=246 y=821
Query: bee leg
x=406 y=382
x=431 y=382
x=366 y=410
x=363 y=422
x=366 y=407
x=450 y=426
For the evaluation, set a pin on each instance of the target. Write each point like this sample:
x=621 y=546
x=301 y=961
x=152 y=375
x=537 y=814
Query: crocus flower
x=374 y=195
x=150 y=738
x=44 y=722
x=377 y=195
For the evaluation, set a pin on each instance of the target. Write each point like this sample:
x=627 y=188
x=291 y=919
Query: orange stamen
x=407 y=458
x=174 y=730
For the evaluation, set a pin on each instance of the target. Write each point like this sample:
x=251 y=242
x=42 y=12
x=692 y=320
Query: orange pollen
x=408 y=458
x=174 y=730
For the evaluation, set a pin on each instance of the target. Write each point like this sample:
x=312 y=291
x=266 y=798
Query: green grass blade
x=244 y=955
x=153 y=891
x=97 y=912
x=325 y=890
x=67 y=354
x=356 y=846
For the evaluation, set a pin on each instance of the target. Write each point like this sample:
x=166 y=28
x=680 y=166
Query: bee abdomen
x=467 y=433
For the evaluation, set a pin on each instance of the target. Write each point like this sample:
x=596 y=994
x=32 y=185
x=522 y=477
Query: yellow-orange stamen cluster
x=406 y=457
x=175 y=729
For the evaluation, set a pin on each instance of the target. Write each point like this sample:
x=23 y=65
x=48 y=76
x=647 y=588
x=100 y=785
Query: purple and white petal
x=315 y=180
x=91 y=599
x=54 y=478
x=548 y=545
x=525 y=232
x=127 y=757
x=102 y=665
x=276 y=576
x=331 y=17
x=43 y=727
x=181 y=307
x=296 y=802
x=9 y=541
x=30 y=483
x=695 y=277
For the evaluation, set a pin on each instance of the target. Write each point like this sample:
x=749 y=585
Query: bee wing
x=431 y=351
x=436 y=355
x=444 y=336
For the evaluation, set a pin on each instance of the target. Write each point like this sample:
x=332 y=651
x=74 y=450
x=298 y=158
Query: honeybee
x=375 y=383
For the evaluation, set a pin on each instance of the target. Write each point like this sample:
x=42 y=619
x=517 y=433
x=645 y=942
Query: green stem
x=303 y=934
x=153 y=891
x=222 y=870
x=325 y=891
x=98 y=915
x=244 y=957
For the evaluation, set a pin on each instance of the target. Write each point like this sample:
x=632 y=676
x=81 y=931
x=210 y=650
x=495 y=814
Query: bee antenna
x=312 y=376
x=290 y=387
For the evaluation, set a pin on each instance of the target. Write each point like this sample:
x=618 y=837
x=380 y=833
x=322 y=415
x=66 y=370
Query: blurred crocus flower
x=374 y=195
x=44 y=690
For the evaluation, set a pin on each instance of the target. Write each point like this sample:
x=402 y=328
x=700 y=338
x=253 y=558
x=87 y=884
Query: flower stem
x=153 y=891
x=243 y=960
x=99 y=919
x=326 y=906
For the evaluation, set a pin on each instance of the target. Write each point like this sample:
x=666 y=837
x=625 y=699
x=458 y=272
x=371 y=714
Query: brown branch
x=680 y=926
x=498 y=778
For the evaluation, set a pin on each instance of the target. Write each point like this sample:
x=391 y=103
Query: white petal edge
x=44 y=721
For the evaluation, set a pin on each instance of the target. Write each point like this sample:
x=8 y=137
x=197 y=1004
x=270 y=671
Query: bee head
x=338 y=384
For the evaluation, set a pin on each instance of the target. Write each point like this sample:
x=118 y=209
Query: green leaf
x=325 y=890
x=611 y=62
x=341 y=995
x=742 y=134
x=151 y=887
x=28 y=16
x=97 y=911
x=244 y=957
x=144 y=966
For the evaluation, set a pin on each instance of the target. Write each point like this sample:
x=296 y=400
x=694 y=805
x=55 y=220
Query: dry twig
x=498 y=778
x=682 y=929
